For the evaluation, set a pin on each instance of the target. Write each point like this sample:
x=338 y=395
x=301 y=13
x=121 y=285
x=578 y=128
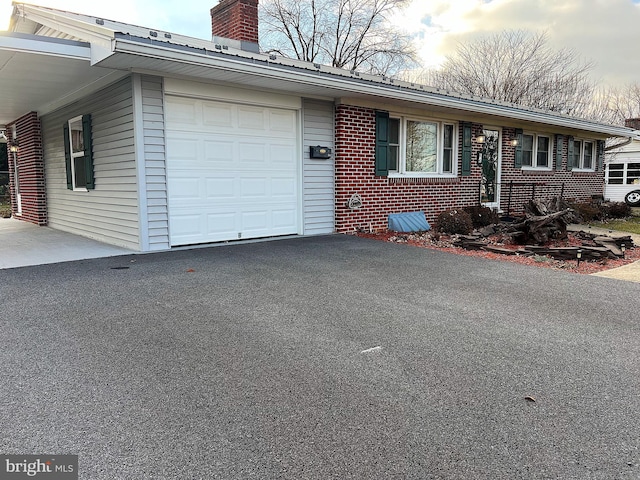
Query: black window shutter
x=517 y=158
x=466 y=149
x=67 y=156
x=382 y=144
x=88 y=151
x=570 y=153
x=559 y=145
x=600 y=154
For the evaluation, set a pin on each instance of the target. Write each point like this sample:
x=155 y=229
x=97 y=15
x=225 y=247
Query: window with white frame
x=536 y=150
x=76 y=140
x=422 y=147
x=582 y=154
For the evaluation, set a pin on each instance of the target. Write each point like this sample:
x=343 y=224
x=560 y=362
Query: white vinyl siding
x=318 y=178
x=109 y=213
x=155 y=166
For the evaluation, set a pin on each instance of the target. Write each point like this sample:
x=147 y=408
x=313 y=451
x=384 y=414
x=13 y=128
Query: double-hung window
x=79 y=153
x=536 y=150
x=582 y=154
x=420 y=147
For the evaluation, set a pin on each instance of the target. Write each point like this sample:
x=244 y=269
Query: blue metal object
x=408 y=222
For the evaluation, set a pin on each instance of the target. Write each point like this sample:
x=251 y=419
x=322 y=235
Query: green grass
x=630 y=225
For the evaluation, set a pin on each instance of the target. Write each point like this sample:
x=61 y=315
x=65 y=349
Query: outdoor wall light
x=514 y=142
x=579 y=256
x=14 y=146
x=481 y=139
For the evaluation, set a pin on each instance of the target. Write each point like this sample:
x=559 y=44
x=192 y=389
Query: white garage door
x=232 y=171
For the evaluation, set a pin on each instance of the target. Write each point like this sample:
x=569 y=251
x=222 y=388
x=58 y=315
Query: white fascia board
x=45 y=46
x=99 y=37
x=350 y=86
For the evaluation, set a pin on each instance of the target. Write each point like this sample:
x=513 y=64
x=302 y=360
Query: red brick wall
x=235 y=19
x=580 y=186
x=31 y=170
x=355 y=174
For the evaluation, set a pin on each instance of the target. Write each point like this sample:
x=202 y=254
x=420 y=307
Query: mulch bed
x=444 y=243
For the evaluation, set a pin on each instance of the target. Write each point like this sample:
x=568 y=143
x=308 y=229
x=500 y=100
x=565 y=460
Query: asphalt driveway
x=329 y=357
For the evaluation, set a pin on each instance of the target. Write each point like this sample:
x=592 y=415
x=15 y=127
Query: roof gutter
x=621 y=144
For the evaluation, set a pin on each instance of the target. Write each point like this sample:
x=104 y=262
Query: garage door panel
x=185 y=189
x=282 y=156
x=252 y=120
x=283 y=121
x=182 y=148
x=234 y=174
x=283 y=188
x=283 y=219
x=221 y=189
x=252 y=153
x=184 y=111
x=218 y=115
x=219 y=151
x=253 y=188
x=222 y=224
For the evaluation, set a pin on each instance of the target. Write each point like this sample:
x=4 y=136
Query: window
x=615 y=175
x=536 y=150
x=623 y=174
x=420 y=147
x=78 y=153
x=582 y=154
x=633 y=173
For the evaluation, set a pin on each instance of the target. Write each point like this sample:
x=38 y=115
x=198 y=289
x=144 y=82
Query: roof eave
x=260 y=65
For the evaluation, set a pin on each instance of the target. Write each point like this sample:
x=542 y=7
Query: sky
x=606 y=32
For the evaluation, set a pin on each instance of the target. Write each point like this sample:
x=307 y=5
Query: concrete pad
x=23 y=244
x=631 y=272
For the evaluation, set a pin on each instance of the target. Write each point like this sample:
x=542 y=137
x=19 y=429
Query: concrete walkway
x=23 y=244
x=631 y=272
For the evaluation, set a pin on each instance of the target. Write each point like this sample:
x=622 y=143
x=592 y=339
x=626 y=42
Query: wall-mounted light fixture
x=514 y=142
x=14 y=146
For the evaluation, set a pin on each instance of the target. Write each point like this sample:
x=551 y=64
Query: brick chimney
x=236 y=20
x=632 y=123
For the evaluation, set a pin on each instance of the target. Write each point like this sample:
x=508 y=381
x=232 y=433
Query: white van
x=622 y=175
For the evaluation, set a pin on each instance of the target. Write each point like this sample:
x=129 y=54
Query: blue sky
x=605 y=31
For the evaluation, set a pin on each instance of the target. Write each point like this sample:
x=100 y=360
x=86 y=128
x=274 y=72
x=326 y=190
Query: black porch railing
x=523 y=191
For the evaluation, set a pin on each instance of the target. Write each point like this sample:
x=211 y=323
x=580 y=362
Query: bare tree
x=614 y=104
x=351 y=34
x=519 y=67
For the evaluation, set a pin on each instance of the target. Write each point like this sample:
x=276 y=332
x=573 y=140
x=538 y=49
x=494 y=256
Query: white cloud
x=605 y=31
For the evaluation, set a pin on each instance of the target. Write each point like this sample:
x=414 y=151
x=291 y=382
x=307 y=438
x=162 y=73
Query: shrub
x=481 y=216
x=5 y=212
x=453 y=221
x=587 y=211
x=616 y=210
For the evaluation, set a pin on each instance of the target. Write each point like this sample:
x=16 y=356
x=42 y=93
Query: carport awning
x=38 y=73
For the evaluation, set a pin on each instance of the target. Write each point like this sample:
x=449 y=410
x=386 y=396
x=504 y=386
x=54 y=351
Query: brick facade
x=355 y=174
x=235 y=19
x=31 y=170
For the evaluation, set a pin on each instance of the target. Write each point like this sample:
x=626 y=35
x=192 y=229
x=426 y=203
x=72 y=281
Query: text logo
x=49 y=467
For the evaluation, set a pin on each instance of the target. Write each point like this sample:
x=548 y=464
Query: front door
x=490 y=162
